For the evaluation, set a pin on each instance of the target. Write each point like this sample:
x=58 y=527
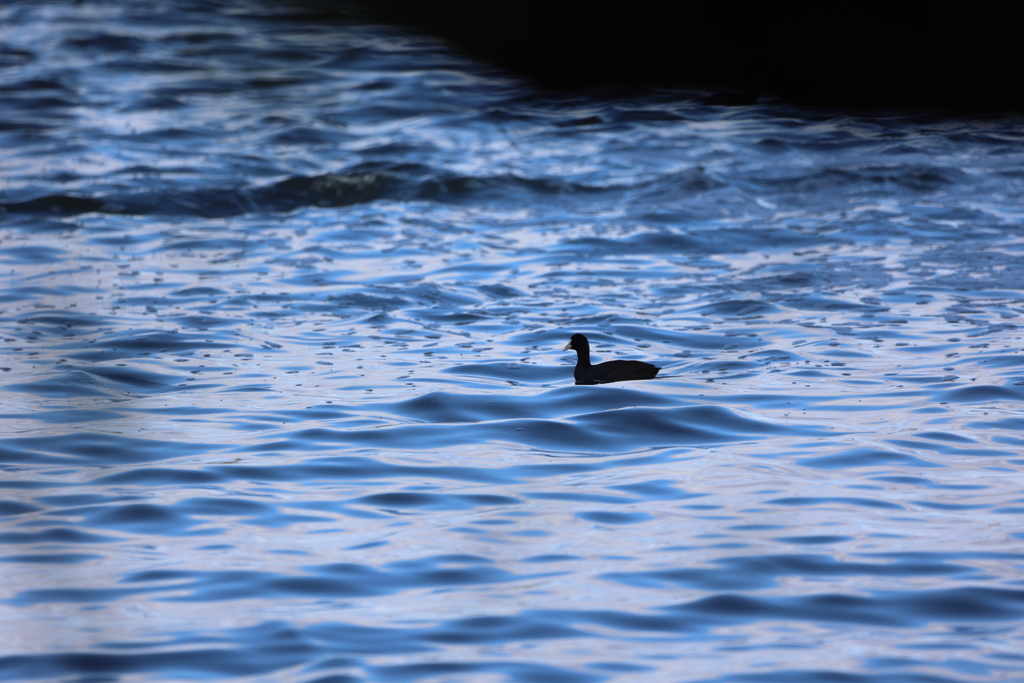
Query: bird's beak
x=567 y=346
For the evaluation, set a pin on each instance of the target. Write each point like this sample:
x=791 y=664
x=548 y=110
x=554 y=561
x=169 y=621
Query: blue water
x=282 y=395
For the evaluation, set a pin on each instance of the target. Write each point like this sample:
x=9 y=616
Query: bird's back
x=615 y=371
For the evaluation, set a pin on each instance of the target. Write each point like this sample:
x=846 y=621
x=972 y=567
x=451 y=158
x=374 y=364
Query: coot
x=610 y=371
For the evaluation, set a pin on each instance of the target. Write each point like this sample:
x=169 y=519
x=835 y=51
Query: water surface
x=283 y=398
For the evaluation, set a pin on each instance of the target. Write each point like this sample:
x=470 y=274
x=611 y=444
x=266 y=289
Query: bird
x=610 y=371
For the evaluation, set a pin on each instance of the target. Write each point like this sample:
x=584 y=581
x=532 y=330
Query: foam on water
x=283 y=397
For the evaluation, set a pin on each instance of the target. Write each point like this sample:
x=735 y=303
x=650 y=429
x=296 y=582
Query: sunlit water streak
x=283 y=397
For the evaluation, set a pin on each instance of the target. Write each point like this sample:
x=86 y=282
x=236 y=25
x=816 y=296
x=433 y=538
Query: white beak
x=567 y=346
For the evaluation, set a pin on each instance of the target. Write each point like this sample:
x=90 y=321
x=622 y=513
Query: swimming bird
x=610 y=371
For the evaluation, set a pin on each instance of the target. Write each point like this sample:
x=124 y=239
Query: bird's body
x=610 y=371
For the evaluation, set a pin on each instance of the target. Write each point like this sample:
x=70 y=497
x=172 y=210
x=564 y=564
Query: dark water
x=283 y=396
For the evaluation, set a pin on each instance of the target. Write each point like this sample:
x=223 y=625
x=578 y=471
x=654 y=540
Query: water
x=283 y=396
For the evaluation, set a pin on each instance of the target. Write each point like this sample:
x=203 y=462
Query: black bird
x=610 y=371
